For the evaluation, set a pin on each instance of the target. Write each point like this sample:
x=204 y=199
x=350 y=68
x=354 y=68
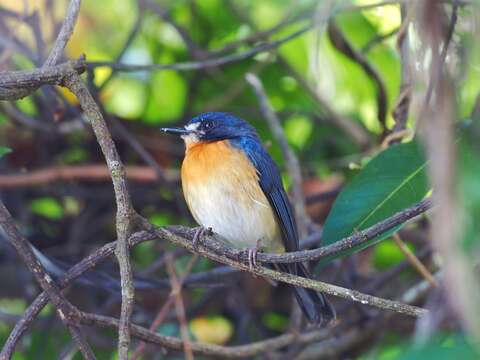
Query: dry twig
x=125 y=211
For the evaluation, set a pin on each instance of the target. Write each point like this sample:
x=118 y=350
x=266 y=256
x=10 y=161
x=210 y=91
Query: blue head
x=214 y=126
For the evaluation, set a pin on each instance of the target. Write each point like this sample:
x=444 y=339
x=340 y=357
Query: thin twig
x=86 y=172
x=77 y=270
x=414 y=261
x=65 y=33
x=125 y=211
x=412 y=295
x=168 y=304
x=67 y=313
x=203 y=64
x=341 y=44
x=402 y=104
x=179 y=308
x=107 y=250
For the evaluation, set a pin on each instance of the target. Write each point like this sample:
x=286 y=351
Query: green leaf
x=47 y=207
x=453 y=347
x=392 y=181
x=4 y=150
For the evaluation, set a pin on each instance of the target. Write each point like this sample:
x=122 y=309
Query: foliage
x=310 y=84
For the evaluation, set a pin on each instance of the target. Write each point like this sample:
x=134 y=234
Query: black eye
x=207 y=124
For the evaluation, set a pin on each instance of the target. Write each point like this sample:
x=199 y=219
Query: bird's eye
x=207 y=124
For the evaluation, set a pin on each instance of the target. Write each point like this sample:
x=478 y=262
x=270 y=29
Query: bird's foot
x=252 y=255
x=252 y=258
x=200 y=234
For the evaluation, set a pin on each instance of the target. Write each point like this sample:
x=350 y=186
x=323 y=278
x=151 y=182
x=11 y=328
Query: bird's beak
x=176 y=131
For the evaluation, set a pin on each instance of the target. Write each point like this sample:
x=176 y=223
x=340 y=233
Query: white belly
x=222 y=192
x=231 y=213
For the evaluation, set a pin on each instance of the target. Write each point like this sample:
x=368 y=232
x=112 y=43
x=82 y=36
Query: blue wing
x=272 y=187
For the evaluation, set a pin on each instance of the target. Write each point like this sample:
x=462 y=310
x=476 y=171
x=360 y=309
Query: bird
x=233 y=187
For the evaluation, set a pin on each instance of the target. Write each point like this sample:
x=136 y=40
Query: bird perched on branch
x=232 y=186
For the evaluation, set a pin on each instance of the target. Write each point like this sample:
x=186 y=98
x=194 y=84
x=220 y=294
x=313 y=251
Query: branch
x=65 y=33
x=334 y=290
x=125 y=211
x=77 y=270
x=350 y=127
x=441 y=148
x=88 y=173
x=67 y=313
x=213 y=247
x=402 y=104
x=353 y=129
x=18 y=84
x=203 y=64
x=250 y=350
x=336 y=248
x=291 y=160
x=341 y=43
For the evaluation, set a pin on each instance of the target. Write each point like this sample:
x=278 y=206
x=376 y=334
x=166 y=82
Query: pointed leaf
x=392 y=181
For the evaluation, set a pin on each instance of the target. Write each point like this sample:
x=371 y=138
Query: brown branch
x=357 y=239
x=334 y=290
x=107 y=250
x=402 y=104
x=412 y=295
x=204 y=64
x=67 y=313
x=439 y=134
x=167 y=305
x=18 y=84
x=291 y=160
x=414 y=261
x=179 y=308
x=341 y=43
x=88 y=173
x=213 y=247
x=240 y=351
x=125 y=211
x=352 y=129
x=65 y=33
x=77 y=270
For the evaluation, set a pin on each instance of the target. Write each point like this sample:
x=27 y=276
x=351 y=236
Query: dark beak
x=175 y=131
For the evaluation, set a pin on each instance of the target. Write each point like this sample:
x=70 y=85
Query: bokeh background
x=55 y=184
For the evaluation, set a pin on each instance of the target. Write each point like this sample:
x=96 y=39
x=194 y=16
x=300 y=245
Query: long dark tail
x=314 y=305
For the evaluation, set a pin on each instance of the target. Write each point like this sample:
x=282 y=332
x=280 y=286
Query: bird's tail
x=314 y=305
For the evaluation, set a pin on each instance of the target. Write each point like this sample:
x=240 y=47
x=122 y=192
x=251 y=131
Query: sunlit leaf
x=298 y=129
x=4 y=150
x=126 y=97
x=388 y=254
x=211 y=330
x=167 y=98
x=47 y=207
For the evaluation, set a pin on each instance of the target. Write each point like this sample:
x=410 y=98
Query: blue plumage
x=231 y=183
x=272 y=187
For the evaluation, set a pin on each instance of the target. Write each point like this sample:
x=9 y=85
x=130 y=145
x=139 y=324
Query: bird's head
x=212 y=126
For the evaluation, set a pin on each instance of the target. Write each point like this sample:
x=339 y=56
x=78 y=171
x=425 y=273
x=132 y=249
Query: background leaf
x=4 y=150
x=392 y=181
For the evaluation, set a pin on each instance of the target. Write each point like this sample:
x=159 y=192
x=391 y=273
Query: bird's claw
x=252 y=258
x=199 y=234
x=252 y=255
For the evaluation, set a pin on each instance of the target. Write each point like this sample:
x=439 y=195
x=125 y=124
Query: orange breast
x=221 y=188
x=203 y=160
